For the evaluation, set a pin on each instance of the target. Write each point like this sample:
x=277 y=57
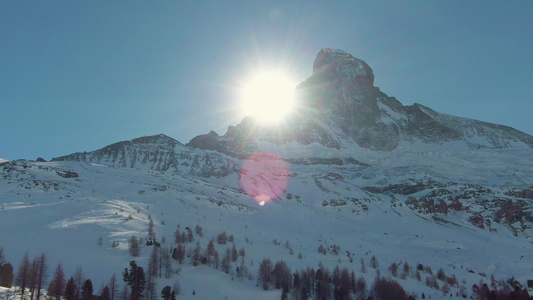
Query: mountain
x=158 y=153
x=353 y=179
x=340 y=108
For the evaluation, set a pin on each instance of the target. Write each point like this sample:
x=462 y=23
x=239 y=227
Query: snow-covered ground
x=64 y=217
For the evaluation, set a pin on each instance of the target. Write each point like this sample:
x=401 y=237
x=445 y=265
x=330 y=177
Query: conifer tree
x=87 y=291
x=70 y=290
x=374 y=262
x=23 y=274
x=6 y=275
x=57 y=285
x=113 y=288
x=135 y=247
x=179 y=253
x=79 y=280
x=2 y=257
x=264 y=275
x=151 y=232
x=136 y=279
x=106 y=294
x=153 y=263
x=167 y=263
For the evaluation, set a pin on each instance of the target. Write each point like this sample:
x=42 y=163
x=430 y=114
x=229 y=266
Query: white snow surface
x=41 y=211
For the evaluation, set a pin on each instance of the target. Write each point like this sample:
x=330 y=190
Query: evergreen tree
x=106 y=294
x=151 y=232
x=166 y=292
x=179 y=253
x=6 y=275
x=134 y=247
x=57 y=285
x=226 y=262
x=167 y=263
x=264 y=275
x=113 y=288
x=234 y=253
x=23 y=274
x=210 y=252
x=2 y=257
x=70 y=290
x=41 y=273
x=79 y=280
x=374 y=262
x=87 y=290
x=32 y=282
x=135 y=278
x=153 y=263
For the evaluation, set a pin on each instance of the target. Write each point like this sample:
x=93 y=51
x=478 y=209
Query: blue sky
x=79 y=75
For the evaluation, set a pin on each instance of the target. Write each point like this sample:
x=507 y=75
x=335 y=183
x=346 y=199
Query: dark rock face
x=341 y=91
x=333 y=65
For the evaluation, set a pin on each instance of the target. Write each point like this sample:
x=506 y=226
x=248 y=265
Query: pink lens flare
x=264 y=177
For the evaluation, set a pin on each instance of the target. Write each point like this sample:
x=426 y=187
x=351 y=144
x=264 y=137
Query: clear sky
x=79 y=75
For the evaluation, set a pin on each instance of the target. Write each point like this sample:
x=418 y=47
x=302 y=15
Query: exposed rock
x=341 y=107
x=159 y=153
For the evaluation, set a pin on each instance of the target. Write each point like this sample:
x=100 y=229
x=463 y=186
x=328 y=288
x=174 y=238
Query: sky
x=79 y=75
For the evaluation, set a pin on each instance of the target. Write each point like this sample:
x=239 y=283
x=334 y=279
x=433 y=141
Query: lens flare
x=264 y=177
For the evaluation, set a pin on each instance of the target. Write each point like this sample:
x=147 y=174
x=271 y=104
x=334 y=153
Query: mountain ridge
x=340 y=107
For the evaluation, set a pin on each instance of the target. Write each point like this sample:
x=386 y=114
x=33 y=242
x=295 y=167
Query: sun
x=268 y=96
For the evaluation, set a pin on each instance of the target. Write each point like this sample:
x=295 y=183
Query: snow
x=66 y=219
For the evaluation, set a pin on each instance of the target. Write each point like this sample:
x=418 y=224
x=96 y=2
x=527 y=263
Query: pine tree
x=264 y=274
x=210 y=252
x=6 y=275
x=234 y=253
x=113 y=288
x=106 y=294
x=32 y=279
x=87 y=291
x=151 y=232
x=226 y=262
x=23 y=274
x=40 y=274
x=2 y=257
x=167 y=263
x=166 y=292
x=153 y=263
x=374 y=262
x=135 y=247
x=79 y=279
x=57 y=285
x=135 y=278
x=70 y=290
x=179 y=253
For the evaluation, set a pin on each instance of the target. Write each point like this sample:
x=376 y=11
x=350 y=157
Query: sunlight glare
x=268 y=96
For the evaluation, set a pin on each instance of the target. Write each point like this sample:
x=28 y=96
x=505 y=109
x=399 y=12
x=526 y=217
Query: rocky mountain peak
x=341 y=108
x=331 y=64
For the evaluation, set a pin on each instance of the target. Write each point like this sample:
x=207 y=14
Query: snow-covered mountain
x=340 y=108
x=355 y=174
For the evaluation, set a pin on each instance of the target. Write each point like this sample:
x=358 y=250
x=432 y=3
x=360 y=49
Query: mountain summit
x=340 y=108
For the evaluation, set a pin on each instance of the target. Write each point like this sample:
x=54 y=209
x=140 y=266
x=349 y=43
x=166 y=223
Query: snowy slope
x=64 y=207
